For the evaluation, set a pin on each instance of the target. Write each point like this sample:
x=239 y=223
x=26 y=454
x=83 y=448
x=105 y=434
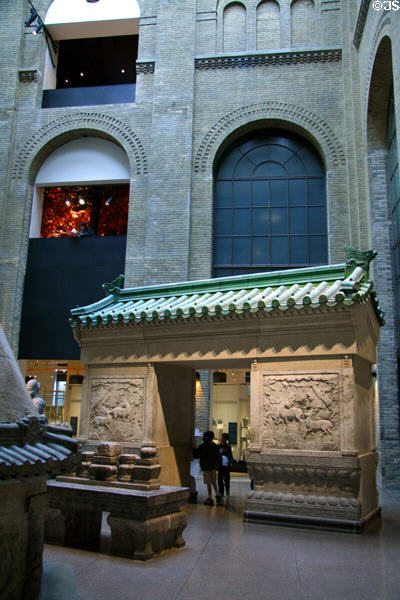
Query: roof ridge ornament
x=358 y=258
x=114 y=287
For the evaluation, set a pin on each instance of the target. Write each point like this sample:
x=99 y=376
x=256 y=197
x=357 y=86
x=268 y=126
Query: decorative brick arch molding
x=382 y=31
x=96 y=123
x=277 y=111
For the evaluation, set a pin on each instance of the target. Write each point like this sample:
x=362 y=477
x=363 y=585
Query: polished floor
x=225 y=558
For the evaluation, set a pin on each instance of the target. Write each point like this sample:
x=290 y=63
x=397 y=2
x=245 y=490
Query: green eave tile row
x=129 y=307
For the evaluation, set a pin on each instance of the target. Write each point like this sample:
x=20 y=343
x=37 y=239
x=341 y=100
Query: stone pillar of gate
x=142 y=404
x=172 y=421
x=312 y=455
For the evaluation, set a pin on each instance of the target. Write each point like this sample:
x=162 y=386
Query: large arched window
x=270 y=206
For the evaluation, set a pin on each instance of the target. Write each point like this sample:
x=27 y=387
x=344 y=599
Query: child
x=208 y=453
x=224 y=468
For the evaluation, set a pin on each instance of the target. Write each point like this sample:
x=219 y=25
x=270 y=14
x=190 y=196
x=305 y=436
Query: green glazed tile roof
x=247 y=295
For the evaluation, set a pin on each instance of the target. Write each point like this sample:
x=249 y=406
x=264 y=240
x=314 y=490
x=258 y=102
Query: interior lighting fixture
x=81 y=201
x=68 y=202
x=39 y=26
x=81 y=74
x=122 y=70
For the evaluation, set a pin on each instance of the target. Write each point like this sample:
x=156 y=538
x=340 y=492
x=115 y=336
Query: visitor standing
x=208 y=453
x=224 y=465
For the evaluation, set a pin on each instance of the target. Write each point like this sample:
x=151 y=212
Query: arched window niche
x=84 y=181
x=234 y=27
x=269 y=205
x=267 y=25
x=302 y=23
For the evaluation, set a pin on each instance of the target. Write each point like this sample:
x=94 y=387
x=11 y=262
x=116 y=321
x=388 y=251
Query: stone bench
x=143 y=523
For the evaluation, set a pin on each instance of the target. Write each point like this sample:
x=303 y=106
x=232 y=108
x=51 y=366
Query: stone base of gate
x=143 y=539
x=336 y=492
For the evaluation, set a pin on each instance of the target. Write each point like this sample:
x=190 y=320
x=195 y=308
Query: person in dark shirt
x=208 y=454
x=224 y=466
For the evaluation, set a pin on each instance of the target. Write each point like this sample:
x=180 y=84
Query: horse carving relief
x=301 y=411
x=116 y=409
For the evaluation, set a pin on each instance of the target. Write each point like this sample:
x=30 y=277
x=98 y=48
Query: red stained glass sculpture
x=103 y=208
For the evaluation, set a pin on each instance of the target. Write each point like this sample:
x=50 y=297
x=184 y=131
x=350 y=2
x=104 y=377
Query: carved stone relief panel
x=116 y=409
x=301 y=411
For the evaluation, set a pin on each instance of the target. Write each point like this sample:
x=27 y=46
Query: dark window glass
x=297 y=192
x=223 y=251
x=260 y=193
x=279 y=220
x=259 y=250
x=241 y=193
x=279 y=250
x=241 y=251
x=227 y=167
x=241 y=221
x=269 y=169
x=298 y=220
x=316 y=219
x=295 y=166
x=279 y=192
x=260 y=223
x=223 y=224
x=244 y=167
x=270 y=206
x=223 y=194
x=298 y=250
x=318 y=249
x=316 y=192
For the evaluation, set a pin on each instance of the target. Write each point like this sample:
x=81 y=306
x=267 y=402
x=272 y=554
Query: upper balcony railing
x=88 y=96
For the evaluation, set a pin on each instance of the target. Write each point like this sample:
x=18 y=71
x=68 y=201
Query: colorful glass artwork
x=103 y=208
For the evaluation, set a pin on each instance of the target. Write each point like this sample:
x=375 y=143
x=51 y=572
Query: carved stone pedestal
x=313 y=458
x=313 y=491
x=143 y=539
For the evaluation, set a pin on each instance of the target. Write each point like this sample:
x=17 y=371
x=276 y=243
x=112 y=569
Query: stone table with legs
x=145 y=518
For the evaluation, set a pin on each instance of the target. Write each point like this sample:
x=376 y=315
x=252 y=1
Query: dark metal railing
x=88 y=96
